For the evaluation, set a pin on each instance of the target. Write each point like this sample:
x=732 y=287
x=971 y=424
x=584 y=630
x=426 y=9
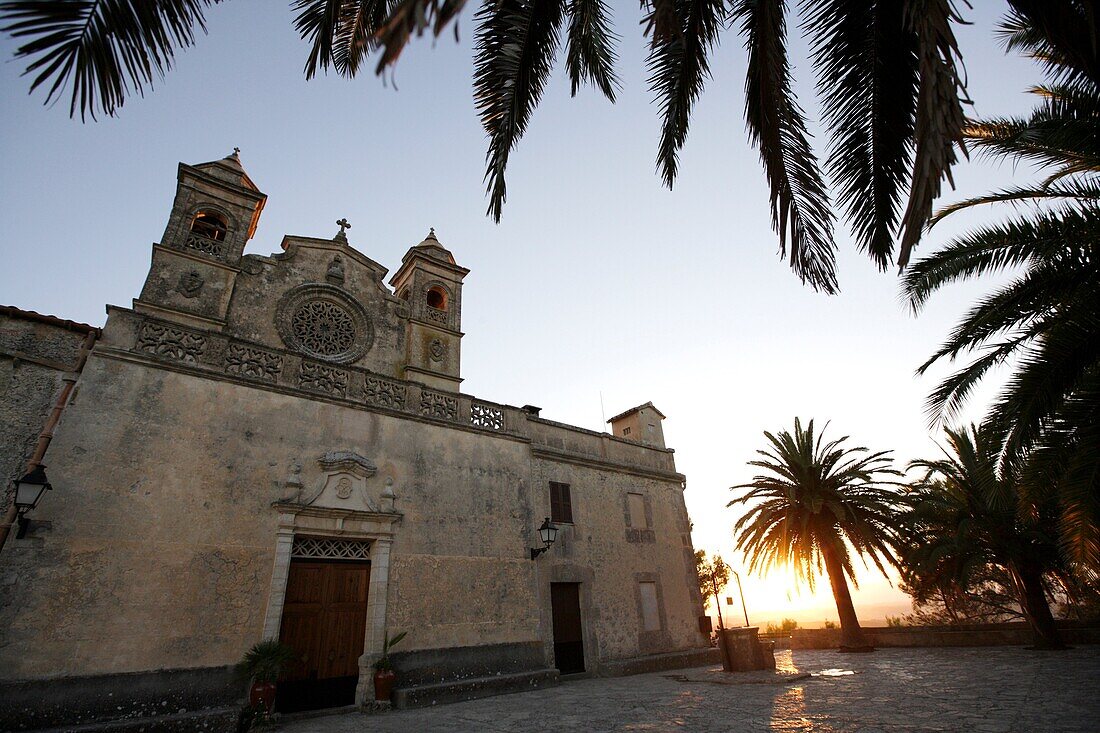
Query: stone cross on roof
x=343 y=224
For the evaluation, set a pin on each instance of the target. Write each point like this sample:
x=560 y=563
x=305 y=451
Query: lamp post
x=28 y=492
x=548 y=533
x=742 y=594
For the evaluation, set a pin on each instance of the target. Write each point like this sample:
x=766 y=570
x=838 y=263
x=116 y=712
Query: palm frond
x=318 y=23
x=1061 y=191
x=865 y=56
x=357 y=37
x=939 y=115
x=407 y=17
x=590 y=54
x=777 y=127
x=1063 y=36
x=1069 y=145
x=104 y=49
x=1065 y=464
x=1048 y=375
x=661 y=19
x=995 y=248
x=678 y=68
x=515 y=44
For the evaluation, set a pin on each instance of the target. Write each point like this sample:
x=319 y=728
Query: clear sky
x=598 y=281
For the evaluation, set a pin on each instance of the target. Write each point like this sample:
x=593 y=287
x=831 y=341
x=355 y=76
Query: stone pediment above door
x=347 y=482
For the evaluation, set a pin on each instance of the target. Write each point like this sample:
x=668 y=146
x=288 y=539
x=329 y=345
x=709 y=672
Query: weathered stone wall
x=34 y=358
x=603 y=552
x=162 y=540
x=162 y=533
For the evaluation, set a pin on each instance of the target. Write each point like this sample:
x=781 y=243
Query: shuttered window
x=561 y=508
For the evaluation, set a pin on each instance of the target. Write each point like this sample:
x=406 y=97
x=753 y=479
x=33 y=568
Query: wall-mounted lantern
x=28 y=492
x=547 y=533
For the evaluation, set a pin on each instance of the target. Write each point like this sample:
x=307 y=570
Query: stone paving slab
x=985 y=690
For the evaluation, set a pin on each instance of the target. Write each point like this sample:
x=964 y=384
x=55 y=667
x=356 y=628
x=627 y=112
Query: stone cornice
x=605 y=436
x=437 y=326
x=197 y=321
x=123 y=355
x=581 y=459
x=190 y=255
x=309 y=510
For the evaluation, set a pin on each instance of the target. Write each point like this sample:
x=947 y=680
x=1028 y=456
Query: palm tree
x=887 y=72
x=967 y=516
x=1046 y=321
x=817 y=503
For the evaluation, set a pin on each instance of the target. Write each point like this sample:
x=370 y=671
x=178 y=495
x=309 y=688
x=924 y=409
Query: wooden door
x=324 y=621
x=565 y=600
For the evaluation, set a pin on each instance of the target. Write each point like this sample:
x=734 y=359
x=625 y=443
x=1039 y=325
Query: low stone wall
x=661 y=662
x=1009 y=634
x=437 y=676
x=206 y=699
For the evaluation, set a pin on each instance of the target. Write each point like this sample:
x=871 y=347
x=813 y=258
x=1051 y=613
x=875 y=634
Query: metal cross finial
x=236 y=151
x=343 y=224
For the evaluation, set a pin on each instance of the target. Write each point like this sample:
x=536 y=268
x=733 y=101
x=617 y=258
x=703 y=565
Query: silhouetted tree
x=816 y=504
x=966 y=516
x=1046 y=321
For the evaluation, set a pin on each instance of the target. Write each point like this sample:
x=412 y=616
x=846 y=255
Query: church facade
x=277 y=447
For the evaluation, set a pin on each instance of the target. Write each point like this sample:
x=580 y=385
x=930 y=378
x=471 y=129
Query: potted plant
x=384 y=676
x=262 y=665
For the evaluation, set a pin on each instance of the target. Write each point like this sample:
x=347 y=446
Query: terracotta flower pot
x=383 y=684
x=262 y=693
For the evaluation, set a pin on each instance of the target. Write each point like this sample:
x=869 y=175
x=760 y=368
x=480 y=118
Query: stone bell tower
x=431 y=283
x=195 y=265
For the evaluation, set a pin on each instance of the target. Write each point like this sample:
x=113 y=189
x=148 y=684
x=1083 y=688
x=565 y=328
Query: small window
x=437 y=298
x=651 y=619
x=626 y=431
x=637 y=511
x=405 y=294
x=561 y=505
x=210 y=225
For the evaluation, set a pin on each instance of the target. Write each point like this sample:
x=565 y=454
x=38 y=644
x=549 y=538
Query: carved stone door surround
x=342 y=507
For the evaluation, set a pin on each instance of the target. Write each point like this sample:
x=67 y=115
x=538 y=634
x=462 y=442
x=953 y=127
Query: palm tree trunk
x=1028 y=579
x=852 y=638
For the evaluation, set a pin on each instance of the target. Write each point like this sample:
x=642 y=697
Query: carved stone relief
x=486 y=416
x=206 y=245
x=384 y=393
x=438 y=405
x=292 y=486
x=190 y=284
x=335 y=272
x=344 y=484
x=253 y=363
x=437 y=315
x=323 y=379
x=437 y=349
x=173 y=343
x=343 y=487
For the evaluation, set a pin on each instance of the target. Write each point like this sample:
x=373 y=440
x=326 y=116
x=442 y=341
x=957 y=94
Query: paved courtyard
x=987 y=690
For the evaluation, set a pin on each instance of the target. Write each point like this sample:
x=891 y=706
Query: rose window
x=324 y=322
x=323 y=328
